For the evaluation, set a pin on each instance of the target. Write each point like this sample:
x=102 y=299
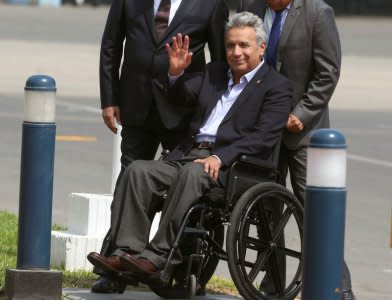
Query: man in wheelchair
x=240 y=108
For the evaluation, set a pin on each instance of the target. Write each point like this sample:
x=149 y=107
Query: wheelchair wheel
x=264 y=243
x=178 y=287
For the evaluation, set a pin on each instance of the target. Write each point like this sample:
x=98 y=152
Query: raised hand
x=179 y=56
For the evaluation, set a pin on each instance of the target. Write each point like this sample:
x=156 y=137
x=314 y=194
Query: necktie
x=162 y=19
x=272 y=47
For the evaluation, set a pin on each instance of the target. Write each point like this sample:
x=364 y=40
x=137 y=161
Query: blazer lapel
x=257 y=79
x=218 y=89
x=185 y=7
x=149 y=16
x=287 y=28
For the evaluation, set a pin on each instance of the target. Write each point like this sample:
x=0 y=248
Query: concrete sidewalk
x=85 y=294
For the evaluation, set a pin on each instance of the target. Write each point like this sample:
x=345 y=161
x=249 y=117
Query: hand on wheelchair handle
x=211 y=165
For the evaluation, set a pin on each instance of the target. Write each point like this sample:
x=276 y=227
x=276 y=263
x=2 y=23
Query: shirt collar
x=246 y=77
x=286 y=8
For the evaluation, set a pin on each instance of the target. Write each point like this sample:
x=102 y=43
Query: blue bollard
x=36 y=179
x=325 y=208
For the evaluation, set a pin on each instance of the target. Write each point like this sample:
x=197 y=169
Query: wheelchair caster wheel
x=191 y=287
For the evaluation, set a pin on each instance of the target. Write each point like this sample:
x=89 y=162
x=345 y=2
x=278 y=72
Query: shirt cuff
x=173 y=79
x=217 y=157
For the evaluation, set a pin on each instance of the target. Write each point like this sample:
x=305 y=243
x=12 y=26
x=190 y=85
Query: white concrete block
x=89 y=214
x=71 y=250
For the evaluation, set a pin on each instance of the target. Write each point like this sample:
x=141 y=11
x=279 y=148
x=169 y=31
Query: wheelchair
x=264 y=224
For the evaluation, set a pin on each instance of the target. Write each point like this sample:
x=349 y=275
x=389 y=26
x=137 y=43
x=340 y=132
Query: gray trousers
x=139 y=197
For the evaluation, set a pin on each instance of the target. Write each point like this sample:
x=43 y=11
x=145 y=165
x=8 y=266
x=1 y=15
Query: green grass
x=58 y=227
x=8 y=243
x=79 y=279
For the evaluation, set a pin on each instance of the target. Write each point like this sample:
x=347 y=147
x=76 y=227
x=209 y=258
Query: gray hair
x=247 y=19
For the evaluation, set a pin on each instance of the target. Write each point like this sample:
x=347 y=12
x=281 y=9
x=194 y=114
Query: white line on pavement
x=79 y=107
x=95 y=110
x=372 y=161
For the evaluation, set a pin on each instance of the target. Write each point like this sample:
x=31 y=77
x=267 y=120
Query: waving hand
x=179 y=56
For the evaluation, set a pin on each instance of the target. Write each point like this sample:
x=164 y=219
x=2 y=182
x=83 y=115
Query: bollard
x=35 y=196
x=325 y=207
x=36 y=179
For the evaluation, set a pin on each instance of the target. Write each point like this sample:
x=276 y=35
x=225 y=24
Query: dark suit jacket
x=309 y=55
x=254 y=123
x=145 y=62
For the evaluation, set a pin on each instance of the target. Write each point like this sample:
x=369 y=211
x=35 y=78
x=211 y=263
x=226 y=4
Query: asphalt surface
x=83 y=294
x=64 y=43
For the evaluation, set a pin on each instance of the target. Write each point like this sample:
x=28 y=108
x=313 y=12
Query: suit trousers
x=294 y=162
x=140 y=143
x=140 y=191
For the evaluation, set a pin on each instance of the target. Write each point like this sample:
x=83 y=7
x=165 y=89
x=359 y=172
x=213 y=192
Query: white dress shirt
x=175 y=4
x=207 y=132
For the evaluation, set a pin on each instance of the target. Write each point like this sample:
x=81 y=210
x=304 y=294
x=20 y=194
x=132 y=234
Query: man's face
x=242 y=52
x=278 y=4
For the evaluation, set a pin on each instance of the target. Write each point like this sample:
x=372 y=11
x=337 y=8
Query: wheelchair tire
x=253 y=243
x=177 y=288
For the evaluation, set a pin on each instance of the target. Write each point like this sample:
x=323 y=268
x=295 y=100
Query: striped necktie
x=162 y=19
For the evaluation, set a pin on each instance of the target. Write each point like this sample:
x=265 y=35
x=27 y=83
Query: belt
x=204 y=145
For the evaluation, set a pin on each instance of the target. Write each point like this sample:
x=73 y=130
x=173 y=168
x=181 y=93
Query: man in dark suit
x=136 y=33
x=304 y=46
x=242 y=108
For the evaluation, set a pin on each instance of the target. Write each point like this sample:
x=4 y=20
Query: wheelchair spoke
x=283 y=222
x=274 y=270
x=259 y=264
x=290 y=252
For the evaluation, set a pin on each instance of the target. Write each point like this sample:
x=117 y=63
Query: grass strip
x=77 y=279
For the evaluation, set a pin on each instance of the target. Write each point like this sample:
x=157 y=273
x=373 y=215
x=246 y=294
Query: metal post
x=36 y=179
x=35 y=197
x=325 y=207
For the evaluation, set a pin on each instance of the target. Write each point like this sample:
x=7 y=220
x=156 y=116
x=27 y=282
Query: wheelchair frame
x=248 y=177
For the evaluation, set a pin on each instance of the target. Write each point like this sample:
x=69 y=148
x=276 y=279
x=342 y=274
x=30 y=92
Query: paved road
x=83 y=294
x=65 y=44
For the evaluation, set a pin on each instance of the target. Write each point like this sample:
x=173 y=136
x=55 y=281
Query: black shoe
x=348 y=295
x=201 y=291
x=106 y=285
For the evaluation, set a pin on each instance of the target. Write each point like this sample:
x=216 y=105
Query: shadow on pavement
x=85 y=294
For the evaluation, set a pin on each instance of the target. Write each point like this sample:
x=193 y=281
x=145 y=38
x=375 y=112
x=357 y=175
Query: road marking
x=354 y=157
x=80 y=107
x=75 y=138
x=372 y=161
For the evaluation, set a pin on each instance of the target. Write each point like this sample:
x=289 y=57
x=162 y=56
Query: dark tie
x=162 y=19
x=272 y=47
